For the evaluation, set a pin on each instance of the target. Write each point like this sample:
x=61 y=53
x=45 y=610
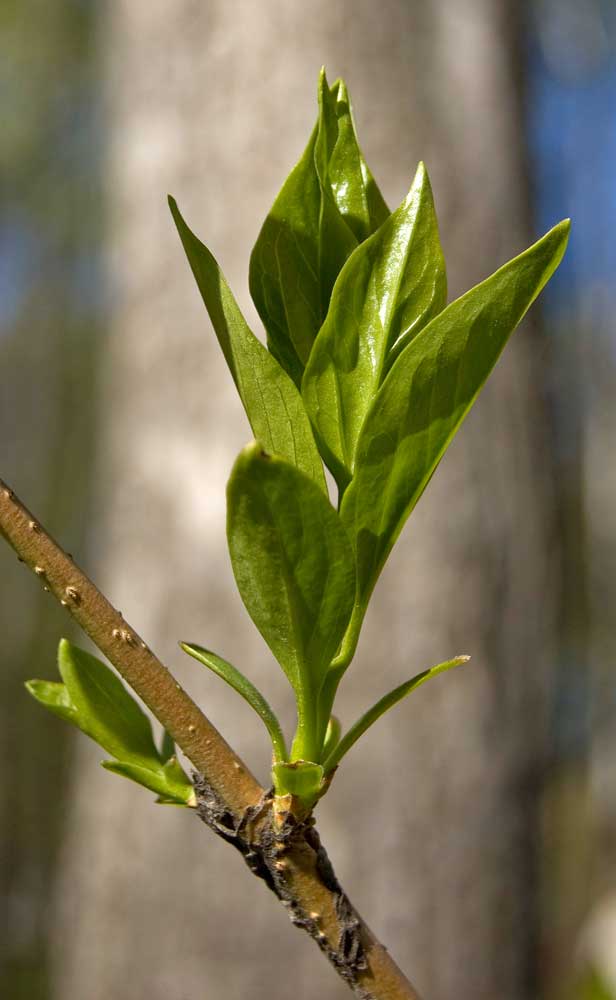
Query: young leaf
x=355 y=191
x=294 y=570
x=424 y=399
x=382 y=706
x=389 y=288
x=96 y=701
x=169 y=782
x=55 y=697
x=246 y=688
x=273 y=405
x=299 y=252
x=104 y=709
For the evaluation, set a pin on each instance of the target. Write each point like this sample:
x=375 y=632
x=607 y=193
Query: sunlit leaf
x=294 y=569
x=54 y=696
x=273 y=404
x=425 y=397
x=95 y=700
x=169 y=782
x=341 y=162
x=389 y=288
x=300 y=250
x=104 y=708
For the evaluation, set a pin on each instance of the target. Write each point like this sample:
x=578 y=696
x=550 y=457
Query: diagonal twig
x=284 y=851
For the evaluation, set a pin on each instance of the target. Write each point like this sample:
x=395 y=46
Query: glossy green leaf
x=170 y=782
x=424 y=399
x=246 y=689
x=273 y=405
x=390 y=287
x=294 y=569
x=340 y=161
x=104 y=709
x=54 y=696
x=382 y=706
x=300 y=250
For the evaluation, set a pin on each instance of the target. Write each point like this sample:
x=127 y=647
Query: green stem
x=306 y=745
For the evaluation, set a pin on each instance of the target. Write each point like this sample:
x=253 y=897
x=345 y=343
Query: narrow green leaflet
x=54 y=696
x=169 y=782
x=246 y=688
x=355 y=191
x=425 y=397
x=294 y=569
x=104 y=709
x=389 y=288
x=382 y=706
x=272 y=403
x=95 y=700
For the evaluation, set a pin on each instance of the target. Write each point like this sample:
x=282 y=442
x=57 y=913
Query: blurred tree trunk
x=49 y=228
x=432 y=824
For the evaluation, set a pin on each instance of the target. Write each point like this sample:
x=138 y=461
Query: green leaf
x=246 y=688
x=389 y=288
x=95 y=700
x=382 y=706
x=355 y=191
x=169 y=782
x=55 y=697
x=294 y=569
x=104 y=709
x=273 y=405
x=300 y=250
x=424 y=399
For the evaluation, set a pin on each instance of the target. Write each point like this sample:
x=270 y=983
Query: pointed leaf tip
x=383 y=705
x=170 y=783
x=53 y=696
x=426 y=395
x=392 y=285
x=272 y=402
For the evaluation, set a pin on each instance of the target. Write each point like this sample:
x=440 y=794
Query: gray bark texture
x=432 y=822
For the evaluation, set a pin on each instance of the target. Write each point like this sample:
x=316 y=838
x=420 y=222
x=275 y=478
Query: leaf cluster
x=366 y=370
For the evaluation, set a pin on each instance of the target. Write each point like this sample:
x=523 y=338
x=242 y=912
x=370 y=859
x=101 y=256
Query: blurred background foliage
x=52 y=323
